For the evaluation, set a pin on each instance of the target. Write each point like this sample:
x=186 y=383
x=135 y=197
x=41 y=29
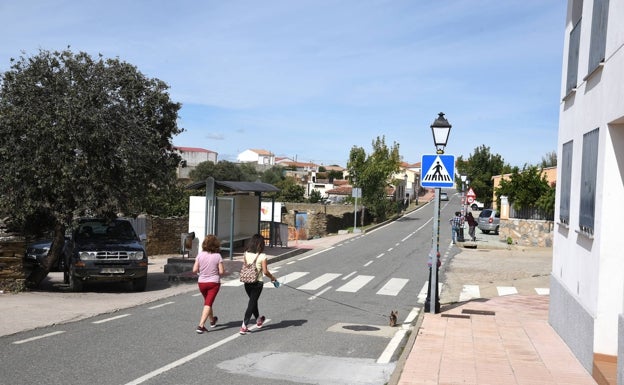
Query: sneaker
x=201 y=329
x=213 y=323
x=244 y=330
x=260 y=321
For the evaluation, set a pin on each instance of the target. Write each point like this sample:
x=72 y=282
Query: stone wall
x=527 y=232
x=324 y=219
x=11 y=267
x=164 y=235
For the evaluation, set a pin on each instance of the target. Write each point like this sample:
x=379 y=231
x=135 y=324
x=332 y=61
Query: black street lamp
x=440 y=130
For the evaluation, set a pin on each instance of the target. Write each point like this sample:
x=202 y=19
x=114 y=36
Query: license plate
x=112 y=270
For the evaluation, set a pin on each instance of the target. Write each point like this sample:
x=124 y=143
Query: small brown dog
x=393 y=317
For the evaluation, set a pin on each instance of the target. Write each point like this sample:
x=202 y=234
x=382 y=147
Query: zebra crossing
x=353 y=283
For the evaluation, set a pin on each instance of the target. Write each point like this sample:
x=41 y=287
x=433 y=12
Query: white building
x=191 y=157
x=587 y=279
x=261 y=157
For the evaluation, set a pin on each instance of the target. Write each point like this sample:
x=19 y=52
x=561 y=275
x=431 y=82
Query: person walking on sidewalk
x=209 y=268
x=472 y=224
x=255 y=252
x=456 y=224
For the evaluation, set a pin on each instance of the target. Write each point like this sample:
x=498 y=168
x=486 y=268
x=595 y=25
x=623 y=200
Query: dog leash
x=337 y=302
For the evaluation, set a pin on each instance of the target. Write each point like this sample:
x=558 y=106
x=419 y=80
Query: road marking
x=189 y=357
x=161 y=305
x=506 y=290
x=392 y=346
x=38 y=337
x=356 y=283
x=349 y=276
x=393 y=286
x=367 y=264
x=542 y=290
x=319 y=281
x=390 y=249
x=110 y=319
x=315 y=296
x=380 y=255
x=394 y=343
x=317 y=253
x=468 y=292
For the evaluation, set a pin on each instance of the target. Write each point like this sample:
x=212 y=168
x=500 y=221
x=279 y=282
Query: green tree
x=479 y=169
x=82 y=135
x=315 y=196
x=223 y=170
x=273 y=176
x=549 y=160
x=372 y=174
x=524 y=187
x=290 y=191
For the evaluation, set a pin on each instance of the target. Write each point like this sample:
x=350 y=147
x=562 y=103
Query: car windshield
x=95 y=230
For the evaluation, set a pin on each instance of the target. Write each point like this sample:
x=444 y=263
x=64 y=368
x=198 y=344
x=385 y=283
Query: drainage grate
x=360 y=328
x=479 y=312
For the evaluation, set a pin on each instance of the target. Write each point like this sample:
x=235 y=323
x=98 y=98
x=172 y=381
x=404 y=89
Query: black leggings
x=253 y=292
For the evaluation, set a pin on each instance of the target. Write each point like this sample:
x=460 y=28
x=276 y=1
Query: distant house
x=191 y=157
x=261 y=157
x=339 y=193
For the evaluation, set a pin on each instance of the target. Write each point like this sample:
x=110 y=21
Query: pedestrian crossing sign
x=440 y=171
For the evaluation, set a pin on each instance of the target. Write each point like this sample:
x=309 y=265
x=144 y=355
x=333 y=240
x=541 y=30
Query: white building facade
x=587 y=279
x=191 y=157
x=261 y=157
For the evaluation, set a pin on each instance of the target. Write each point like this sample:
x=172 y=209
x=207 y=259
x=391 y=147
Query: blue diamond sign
x=439 y=171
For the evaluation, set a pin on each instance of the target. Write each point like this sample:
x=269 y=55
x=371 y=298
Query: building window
x=598 y=43
x=574 y=46
x=566 y=183
x=589 y=169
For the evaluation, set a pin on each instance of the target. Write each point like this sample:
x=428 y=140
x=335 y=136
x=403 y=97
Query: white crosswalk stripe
x=506 y=290
x=469 y=292
x=356 y=283
x=319 y=282
x=393 y=286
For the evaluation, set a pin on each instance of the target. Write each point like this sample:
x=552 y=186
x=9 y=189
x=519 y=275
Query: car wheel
x=474 y=207
x=139 y=284
x=75 y=284
x=485 y=231
x=496 y=231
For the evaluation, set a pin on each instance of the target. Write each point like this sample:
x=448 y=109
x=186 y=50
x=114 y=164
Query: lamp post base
x=437 y=296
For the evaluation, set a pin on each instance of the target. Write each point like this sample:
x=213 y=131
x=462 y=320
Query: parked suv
x=489 y=220
x=104 y=250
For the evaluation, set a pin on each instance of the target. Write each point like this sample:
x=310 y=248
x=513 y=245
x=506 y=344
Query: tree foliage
x=479 y=169
x=290 y=191
x=525 y=187
x=315 y=196
x=372 y=174
x=549 y=160
x=82 y=135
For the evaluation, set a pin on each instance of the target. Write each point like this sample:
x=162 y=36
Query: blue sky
x=310 y=79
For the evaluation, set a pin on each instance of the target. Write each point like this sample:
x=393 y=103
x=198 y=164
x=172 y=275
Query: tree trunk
x=56 y=251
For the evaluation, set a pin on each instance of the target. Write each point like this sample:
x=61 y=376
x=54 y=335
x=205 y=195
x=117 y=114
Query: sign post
x=440 y=173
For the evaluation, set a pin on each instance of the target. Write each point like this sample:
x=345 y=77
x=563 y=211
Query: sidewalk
x=501 y=340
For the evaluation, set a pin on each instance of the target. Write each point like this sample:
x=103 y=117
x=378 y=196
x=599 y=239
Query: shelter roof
x=237 y=186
